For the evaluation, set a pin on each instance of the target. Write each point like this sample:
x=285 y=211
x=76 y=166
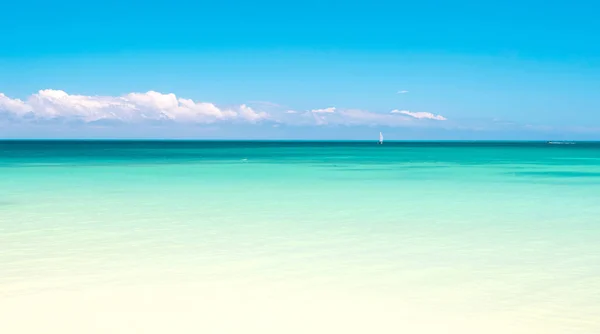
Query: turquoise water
x=472 y=235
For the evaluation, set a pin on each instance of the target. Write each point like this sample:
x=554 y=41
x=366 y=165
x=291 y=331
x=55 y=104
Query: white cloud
x=13 y=105
x=352 y=117
x=250 y=115
x=133 y=107
x=402 y=92
x=324 y=110
x=420 y=115
x=57 y=105
x=362 y=117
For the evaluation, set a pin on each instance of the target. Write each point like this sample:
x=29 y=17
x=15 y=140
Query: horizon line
x=296 y=140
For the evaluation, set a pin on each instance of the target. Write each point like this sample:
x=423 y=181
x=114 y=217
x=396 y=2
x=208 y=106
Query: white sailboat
x=380 y=138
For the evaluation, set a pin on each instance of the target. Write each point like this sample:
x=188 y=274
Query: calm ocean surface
x=306 y=237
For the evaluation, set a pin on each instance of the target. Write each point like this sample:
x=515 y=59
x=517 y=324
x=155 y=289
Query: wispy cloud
x=291 y=112
x=324 y=110
x=402 y=92
x=420 y=115
x=265 y=103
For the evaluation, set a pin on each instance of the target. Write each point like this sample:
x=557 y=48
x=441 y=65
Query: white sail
x=380 y=138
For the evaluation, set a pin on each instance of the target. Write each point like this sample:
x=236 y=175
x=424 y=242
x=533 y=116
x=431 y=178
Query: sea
x=233 y=237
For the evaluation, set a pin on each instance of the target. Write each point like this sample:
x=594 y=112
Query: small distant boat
x=380 y=138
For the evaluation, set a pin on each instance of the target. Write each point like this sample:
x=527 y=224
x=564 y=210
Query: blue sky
x=270 y=69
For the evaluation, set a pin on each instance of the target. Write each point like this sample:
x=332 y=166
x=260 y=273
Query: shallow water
x=109 y=236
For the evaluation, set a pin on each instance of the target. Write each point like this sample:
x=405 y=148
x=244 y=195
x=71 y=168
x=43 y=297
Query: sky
x=460 y=70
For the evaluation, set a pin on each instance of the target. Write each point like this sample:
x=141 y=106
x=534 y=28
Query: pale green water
x=476 y=229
